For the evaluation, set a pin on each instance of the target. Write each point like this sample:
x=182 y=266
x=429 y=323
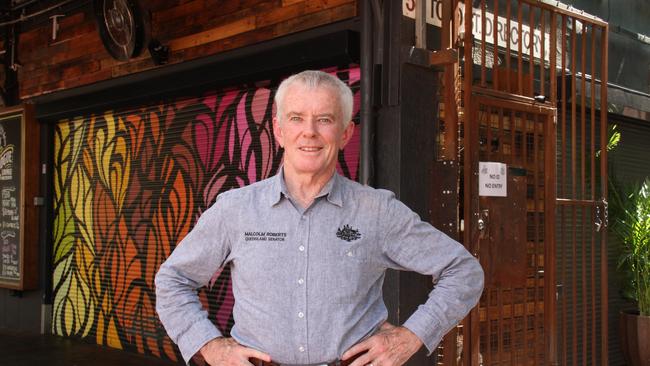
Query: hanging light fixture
x=120 y=27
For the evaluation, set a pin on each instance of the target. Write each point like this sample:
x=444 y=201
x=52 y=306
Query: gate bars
x=515 y=238
x=541 y=52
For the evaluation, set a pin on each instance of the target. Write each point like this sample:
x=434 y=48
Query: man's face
x=311 y=130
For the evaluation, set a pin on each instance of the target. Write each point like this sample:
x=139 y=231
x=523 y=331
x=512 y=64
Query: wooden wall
x=191 y=28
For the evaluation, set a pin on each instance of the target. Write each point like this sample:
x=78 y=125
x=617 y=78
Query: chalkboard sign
x=17 y=178
x=10 y=145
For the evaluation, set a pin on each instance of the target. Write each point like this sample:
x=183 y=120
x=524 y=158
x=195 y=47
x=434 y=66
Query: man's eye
x=295 y=119
x=325 y=120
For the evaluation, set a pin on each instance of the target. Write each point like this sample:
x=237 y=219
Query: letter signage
x=492 y=179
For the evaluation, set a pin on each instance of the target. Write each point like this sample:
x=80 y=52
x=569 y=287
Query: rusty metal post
x=449 y=147
x=471 y=333
x=550 y=253
x=603 y=187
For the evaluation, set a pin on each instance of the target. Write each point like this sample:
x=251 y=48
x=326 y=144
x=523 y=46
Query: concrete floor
x=21 y=349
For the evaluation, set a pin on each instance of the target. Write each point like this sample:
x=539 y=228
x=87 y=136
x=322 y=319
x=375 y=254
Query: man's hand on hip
x=226 y=351
x=391 y=346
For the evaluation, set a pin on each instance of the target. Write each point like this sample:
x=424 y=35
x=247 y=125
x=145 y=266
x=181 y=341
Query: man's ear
x=348 y=132
x=277 y=132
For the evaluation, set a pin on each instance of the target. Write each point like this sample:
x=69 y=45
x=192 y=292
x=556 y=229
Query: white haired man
x=308 y=251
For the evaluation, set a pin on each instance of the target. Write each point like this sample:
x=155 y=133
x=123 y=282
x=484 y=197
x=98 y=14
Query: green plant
x=613 y=138
x=630 y=218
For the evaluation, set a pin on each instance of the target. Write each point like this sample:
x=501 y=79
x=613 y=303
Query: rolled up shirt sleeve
x=413 y=245
x=190 y=266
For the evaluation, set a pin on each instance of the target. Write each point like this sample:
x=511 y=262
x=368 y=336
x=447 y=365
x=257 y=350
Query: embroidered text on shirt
x=264 y=236
x=347 y=233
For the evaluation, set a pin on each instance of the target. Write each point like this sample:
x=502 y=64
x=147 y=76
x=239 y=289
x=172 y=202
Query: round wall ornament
x=120 y=27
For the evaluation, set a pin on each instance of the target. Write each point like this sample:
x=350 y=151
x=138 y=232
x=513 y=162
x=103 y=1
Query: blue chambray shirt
x=308 y=282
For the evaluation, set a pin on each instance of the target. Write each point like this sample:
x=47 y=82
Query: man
x=308 y=251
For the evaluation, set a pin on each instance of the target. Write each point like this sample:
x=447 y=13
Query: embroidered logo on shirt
x=347 y=233
x=264 y=236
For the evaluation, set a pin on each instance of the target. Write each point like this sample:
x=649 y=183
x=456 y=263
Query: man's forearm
x=452 y=297
x=182 y=313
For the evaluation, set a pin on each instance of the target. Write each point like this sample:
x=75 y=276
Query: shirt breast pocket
x=354 y=274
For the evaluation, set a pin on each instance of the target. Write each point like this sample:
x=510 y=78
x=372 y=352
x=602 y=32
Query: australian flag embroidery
x=347 y=233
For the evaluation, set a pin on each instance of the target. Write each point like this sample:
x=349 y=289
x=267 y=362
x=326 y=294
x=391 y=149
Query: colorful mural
x=130 y=184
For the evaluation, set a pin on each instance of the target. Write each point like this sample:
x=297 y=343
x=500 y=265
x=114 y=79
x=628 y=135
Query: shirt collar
x=332 y=189
x=278 y=188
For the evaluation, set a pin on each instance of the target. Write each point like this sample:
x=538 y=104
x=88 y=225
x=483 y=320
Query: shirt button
x=301 y=248
x=301 y=315
x=350 y=254
x=301 y=349
x=301 y=281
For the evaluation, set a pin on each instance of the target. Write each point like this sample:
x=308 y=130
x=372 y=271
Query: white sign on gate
x=492 y=179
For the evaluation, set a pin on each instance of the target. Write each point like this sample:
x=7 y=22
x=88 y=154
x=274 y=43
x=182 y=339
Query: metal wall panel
x=130 y=183
x=628 y=163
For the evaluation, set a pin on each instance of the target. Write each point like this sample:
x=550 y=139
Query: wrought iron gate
x=513 y=235
x=537 y=58
x=525 y=84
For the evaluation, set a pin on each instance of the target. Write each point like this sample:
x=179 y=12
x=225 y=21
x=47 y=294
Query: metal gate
x=513 y=234
x=525 y=84
x=542 y=244
x=552 y=307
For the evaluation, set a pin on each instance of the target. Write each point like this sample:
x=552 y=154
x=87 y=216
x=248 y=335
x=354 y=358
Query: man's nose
x=310 y=128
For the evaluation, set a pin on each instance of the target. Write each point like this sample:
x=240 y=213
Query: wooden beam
x=214 y=34
x=444 y=57
x=428 y=58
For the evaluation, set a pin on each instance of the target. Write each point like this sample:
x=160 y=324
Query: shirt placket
x=302 y=282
